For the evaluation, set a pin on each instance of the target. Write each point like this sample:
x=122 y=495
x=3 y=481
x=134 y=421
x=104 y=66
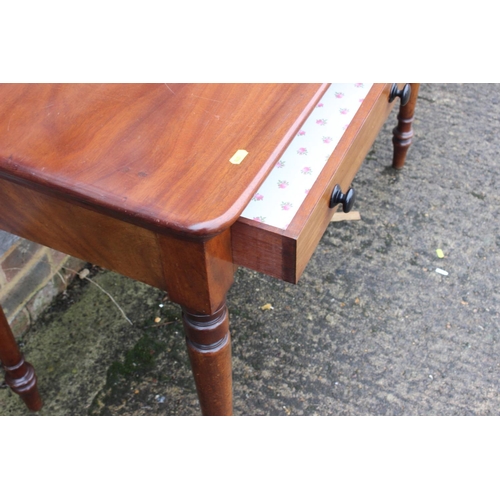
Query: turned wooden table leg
x=403 y=133
x=209 y=348
x=198 y=275
x=19 y=375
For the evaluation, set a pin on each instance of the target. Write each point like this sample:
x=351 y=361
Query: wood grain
x=156 y=155
x=195 y=273
x=93 y=237
x=198 y=274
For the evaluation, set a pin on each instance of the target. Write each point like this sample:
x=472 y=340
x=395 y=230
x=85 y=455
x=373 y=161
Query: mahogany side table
x=152 y=181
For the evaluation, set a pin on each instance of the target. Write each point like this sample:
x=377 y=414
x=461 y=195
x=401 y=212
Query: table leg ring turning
x=19 y=375
x=209 y=349
x=22 y=380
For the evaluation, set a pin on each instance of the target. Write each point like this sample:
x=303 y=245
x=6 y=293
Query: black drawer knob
x=347 y=199
x=404 y=94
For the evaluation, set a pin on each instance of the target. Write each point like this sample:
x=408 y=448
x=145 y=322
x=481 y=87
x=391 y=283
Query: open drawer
x=279 y=230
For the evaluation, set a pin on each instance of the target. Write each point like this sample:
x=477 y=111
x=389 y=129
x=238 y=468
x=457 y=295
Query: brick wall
x=31 y=275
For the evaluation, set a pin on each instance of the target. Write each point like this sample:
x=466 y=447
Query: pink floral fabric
x=280 y=196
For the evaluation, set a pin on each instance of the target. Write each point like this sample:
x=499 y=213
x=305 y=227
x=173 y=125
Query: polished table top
x=156 y=155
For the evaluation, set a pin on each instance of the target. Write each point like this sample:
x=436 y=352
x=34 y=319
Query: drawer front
x=283 y=252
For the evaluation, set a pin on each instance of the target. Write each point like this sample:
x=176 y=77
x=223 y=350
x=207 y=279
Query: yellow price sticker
x=238 y=157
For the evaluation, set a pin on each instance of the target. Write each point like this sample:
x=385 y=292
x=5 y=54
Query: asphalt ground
x=371 y=328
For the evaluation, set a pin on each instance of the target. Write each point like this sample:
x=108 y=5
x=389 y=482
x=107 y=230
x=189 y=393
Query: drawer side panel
x=269 y=252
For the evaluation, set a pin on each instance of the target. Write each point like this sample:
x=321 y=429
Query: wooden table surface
x=156 y=155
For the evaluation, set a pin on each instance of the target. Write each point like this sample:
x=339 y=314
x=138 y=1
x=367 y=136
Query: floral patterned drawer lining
x=286 y=187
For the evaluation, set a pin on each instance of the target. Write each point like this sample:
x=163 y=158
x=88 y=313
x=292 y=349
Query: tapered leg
x=198 y=275
x=209 y=349
x=19 y=375
x=403 y=133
